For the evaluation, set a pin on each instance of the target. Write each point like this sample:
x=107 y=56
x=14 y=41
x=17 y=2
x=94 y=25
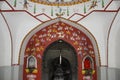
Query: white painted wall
x=20 y=24
x=5 y=44
x=4 y=6
x=114 y=44
x=98 y=24
x=114 y=5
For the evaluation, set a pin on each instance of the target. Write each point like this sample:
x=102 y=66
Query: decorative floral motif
x=60 y=30
x=31 y=70
x=88 y=72
x=60 y=3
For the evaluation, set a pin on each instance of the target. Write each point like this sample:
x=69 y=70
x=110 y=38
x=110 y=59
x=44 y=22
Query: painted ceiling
x=59 y=2
x=73 y=11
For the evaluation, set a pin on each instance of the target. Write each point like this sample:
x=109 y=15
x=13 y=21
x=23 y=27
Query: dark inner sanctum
x=60 y=68
x=59 y=62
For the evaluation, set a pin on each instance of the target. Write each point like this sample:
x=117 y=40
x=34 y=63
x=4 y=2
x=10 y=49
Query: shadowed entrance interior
x=60 y=68
x=59 y=62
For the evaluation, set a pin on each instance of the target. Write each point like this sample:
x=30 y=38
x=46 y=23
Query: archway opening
x=60 y=68
x=47 y=41
x=59 y=62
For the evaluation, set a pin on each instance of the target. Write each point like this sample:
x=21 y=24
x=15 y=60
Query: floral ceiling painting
x=59 y=2
x=68 y=7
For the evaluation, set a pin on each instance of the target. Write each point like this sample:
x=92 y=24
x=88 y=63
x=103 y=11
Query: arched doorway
x=60 y=69
x=53 y=32
x=59 y=61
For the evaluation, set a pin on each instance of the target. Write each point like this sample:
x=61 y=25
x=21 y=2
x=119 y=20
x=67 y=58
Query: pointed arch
x=31 y=62
x=85 y=44
x=89 y=58
x=51 y=61
x=78 y=26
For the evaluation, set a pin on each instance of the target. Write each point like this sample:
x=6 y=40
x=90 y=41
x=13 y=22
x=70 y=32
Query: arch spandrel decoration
x=60 y=30
x=53 y=32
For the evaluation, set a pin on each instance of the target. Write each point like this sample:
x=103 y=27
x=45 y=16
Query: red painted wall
x=60 y=30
